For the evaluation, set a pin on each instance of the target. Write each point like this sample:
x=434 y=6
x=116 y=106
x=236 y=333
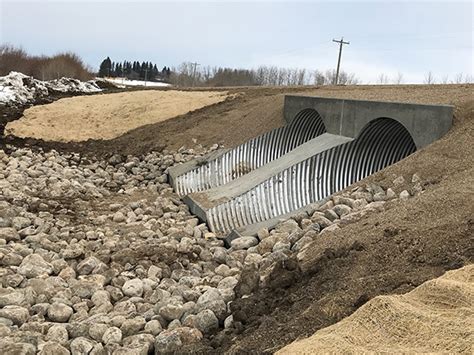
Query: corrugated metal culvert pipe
x=252 y=154
x=381 y=143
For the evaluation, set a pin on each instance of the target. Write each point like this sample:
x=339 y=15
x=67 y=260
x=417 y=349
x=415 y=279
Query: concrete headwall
x=425 y=123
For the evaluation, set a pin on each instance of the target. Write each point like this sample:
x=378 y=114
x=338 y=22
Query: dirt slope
x=107 y=116
x=437 y=316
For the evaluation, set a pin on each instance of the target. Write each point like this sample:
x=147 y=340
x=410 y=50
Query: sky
x=386 y=37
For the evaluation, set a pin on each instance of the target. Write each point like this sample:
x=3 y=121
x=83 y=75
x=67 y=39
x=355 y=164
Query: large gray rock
x=243 y=243
x=168 y=340
x=342 y=210
x=171 y=311
x=18 y=348
x=97 y=330
x=58 y=333
x=206 y=321
x=140 y=344
x=17 y=314
x=167 y=343
x=212 y=300
x=153 y=327
x=59 y=312
x=5 y=222
x=20 y=222
x=289 y=226
x=9 y=234
x=321 y=220
x=81 y=346
x=249 y=281
x=119 y=217
x=87 y=265
x=53 y=348
x=227 y=282
x=100 y=297
x=112 y=335
x=11 y=297
x=132 y=326
x=34 y=265
x=133 y=288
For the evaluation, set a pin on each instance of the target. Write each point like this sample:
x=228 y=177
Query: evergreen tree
x=142 y=70
x=133 y=70
x=105 y=67
x=118 y=69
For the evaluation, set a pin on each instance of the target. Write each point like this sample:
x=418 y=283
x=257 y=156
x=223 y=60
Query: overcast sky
x=385 y=37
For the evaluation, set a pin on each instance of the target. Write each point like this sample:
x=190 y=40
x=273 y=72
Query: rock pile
x=101 y=257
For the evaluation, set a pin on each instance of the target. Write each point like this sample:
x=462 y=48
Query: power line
x=341 y=42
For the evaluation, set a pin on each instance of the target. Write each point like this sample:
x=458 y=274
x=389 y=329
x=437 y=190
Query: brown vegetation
x=109 y=116
x=432 y=318
x=42 y=67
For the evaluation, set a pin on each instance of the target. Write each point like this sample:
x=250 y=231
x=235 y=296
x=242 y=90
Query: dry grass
x=107 y=116
x=435 y=317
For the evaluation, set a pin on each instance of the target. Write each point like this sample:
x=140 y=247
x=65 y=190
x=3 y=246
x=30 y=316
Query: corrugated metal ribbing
x=382 y=143
x=252 y=154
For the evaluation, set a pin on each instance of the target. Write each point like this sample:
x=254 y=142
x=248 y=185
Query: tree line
x=188 y=75
x=69 y=64
x=43 y=67
x=133 y=70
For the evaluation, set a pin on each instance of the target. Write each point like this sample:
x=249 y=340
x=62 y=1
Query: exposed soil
x=109 y=116
x=386 y=253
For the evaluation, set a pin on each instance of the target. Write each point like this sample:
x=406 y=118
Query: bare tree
x=263 y=75
x=469 y=79
x=445 y=79
x=382 y=79
x=458 y=78
x=282 y=76
x=42 y=67
x=330 y=75
x=319 y=78
x=429 y=79
x=398 y=78
x=301 y=77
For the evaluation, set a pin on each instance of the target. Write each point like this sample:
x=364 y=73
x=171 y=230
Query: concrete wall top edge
x=335 y=99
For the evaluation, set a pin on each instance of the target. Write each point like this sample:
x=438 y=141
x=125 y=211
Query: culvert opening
x=381 y=143
x=252 y=154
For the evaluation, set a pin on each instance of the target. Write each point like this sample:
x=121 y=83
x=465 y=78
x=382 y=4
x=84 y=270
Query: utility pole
x=146 y=72
x=194 y=71
x=341 y=42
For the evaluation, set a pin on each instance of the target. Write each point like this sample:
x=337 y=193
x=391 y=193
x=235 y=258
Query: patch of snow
x=126 y=82
x=17 y=88
x=20 y=88
x=73 y=85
